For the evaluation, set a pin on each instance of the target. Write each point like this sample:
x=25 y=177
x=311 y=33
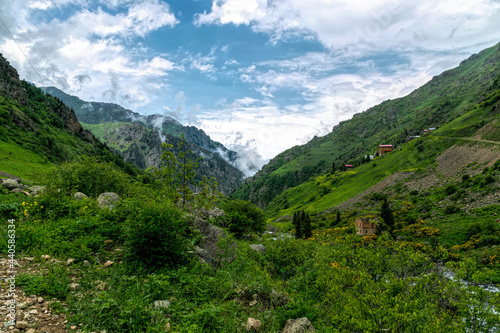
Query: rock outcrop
x=301 y=325
x=108 y=199
x=210 y=251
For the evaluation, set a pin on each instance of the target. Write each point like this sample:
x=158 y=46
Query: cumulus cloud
x=90 y=52
x=362 y=26
x=233 y=11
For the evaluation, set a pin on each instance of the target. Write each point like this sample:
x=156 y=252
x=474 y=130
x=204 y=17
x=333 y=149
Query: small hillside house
x=366 y=226
x=348 y=166
x=382 y=149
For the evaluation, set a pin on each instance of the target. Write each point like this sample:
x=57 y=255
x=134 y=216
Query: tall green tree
x=386 y=216
x=307 y=231
x=186 y=169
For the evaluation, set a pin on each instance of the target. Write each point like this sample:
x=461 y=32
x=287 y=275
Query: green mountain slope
x=137 y=138
x=449 y=96
x=38 y=130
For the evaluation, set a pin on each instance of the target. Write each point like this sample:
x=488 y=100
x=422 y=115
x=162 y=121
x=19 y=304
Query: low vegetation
x=340 y=281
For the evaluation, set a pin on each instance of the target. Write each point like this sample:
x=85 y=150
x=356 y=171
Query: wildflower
x=24 y=203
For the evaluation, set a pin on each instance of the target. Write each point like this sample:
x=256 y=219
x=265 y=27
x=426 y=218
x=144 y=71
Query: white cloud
x=361 y=26
x=233 y=11
x=89 y=52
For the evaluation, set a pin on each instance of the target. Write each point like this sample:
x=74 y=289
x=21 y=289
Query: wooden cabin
x=382 y=149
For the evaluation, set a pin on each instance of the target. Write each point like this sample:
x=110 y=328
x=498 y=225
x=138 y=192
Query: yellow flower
x=24 y=203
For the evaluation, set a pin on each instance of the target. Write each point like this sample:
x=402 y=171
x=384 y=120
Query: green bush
x=488 y=180
x=156 y=236
x=243 y=216
x=450 y=189
x=465 y=178
x=91 y=177
x=451 y=209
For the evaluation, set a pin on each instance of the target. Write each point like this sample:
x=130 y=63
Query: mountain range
x=138 y=138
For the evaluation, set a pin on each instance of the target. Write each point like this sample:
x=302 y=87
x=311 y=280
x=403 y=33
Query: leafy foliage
x=244 y=217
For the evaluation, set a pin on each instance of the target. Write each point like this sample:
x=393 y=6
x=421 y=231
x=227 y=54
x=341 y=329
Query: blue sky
x=260 y=76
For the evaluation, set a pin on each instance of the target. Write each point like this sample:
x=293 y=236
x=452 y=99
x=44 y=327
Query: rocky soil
x=33 y=312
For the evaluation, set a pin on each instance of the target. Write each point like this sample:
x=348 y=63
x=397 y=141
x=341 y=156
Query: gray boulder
x=212 y=235
x=258 y=247
x=107 y=199
x=36 y=190
x=80 y=196
x=11 y=183
x=301 y=325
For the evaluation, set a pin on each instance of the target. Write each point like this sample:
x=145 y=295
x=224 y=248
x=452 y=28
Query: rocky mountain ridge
x=138 y=138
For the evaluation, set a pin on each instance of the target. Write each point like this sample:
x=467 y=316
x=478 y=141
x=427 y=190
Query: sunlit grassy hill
x=459 y=102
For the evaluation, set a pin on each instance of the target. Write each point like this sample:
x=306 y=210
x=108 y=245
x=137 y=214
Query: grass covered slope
x=339 y=281
x=21 y=162
x=440 y=101
x=38 y=130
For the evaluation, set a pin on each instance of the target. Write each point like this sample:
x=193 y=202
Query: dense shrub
x=244 y=217
x=450 y=189
x=91 y=177
x=451 y=209
x=156 y=236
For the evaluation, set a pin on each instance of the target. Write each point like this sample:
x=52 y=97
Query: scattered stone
x=36 y=190
x=107 y=199
x=108 y=241
x=252 y=303
x=72 y=327
x=301 y=325
x=258 y=247
x=21 y=324
x=101 y=285
x=167 y=326
x=45 y=257
x=108 y=263
x=162 y=304
x=19 y=190
x=70 y=261
x=73 y=286
x=86 y=263
x=11 y=183
x=80 y=196
x=31 y=330
x=253 y=325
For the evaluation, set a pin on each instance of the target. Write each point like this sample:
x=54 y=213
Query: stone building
x=366 y=225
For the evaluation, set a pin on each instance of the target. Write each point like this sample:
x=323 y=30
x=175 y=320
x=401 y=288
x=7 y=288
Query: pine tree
x=333 y=167
x=386 y=216
x=307 y=226
x=338 y=217
x=299 y=224
x=186 y=169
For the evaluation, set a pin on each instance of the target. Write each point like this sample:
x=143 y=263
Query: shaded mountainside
x=142 y=147
x=447 y=97
x=138 y=138
x=94 y=113
x=41 y=129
